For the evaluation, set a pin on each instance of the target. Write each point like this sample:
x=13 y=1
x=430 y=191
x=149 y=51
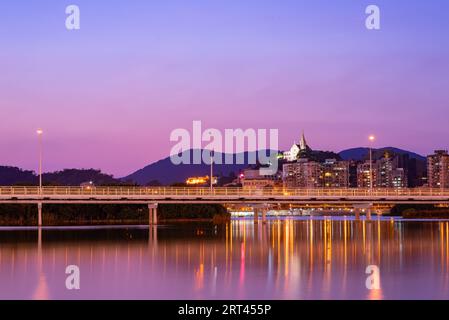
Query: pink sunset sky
x=109 y=95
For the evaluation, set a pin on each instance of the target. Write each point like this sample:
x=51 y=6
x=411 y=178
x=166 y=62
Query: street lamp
x=39 y=134
x=371 y=138
x=211 y=170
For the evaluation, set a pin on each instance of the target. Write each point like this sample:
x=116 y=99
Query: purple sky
x=108 y=95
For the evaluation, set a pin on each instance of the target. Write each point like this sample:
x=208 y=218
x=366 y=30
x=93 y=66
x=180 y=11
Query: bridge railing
x=123 y=191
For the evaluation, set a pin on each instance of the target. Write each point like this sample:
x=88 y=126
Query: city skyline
x=351 y=154
x=285 y=151
x=127 y=78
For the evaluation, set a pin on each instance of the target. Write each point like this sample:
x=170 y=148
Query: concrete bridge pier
x=264 y=215
x=357 y=213
x=152 y=214
x=260 y=209
x=256 y=215
x=39 y=214
x=367 y=207
x=368 y=213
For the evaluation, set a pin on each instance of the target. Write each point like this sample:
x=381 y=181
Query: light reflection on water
x=313 y=258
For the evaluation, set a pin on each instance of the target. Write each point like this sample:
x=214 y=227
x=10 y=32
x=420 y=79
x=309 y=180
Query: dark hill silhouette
x=359 y=154
x=67 y=177
x=13 y=175
x=74 y=177
x=164 y=172
x=168 y=173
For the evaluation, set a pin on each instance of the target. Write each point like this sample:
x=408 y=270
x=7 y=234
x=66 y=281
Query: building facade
x=335 y=174
x=311 y=174
x=438 y=169
x=302 y=174
x=251 y=178
x=399 y=178
x=297 y=151
x=363 y=175
x=386 y=173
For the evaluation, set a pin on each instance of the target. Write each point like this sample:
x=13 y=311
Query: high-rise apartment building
x=335 y=174
x=363 y=175
x=386 y=173
x=438 y=169
x=311 y=174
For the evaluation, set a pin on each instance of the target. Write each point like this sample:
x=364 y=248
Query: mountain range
x=359 y=154
x=67 y=177
x=164 y=172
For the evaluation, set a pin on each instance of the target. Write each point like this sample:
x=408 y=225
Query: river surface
x=296 y=258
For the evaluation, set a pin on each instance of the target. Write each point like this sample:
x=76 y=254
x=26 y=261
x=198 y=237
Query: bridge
x=358 y=198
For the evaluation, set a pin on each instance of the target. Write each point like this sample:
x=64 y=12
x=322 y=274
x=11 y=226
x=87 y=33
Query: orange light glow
x=200 y=180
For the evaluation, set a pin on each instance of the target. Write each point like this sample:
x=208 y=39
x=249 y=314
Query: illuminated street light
x=40 y=132
x=371 y=138
x=212 y=154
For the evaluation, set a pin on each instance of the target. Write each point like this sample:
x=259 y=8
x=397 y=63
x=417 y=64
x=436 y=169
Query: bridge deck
x=60 y=194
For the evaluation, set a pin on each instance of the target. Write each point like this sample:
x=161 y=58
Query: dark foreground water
x=314 y=258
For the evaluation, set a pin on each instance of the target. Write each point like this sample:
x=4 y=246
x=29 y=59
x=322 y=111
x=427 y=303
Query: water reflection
x=284 y=259
x=42 y=291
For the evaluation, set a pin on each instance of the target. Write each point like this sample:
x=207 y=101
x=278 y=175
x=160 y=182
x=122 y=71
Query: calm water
x=285 y=259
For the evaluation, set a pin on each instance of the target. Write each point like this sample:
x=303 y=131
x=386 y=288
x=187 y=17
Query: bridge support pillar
x=39 y=214
x=357 y=213
x=152 y=213
x=264 y=215
x=367 y=207
x=256 y=215
x=368 y=213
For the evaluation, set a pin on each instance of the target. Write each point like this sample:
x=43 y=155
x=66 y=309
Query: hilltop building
x=297 y=151
x=305 y=168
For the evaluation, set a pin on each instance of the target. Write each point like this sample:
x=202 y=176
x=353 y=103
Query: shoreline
x=174 y=222
x=87 y=223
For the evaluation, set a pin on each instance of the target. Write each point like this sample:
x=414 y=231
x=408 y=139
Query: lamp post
x=211 y=170
x=371 y=139
x=39 y=134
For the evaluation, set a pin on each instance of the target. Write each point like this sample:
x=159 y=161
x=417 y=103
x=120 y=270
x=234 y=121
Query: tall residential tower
x=438 y=169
